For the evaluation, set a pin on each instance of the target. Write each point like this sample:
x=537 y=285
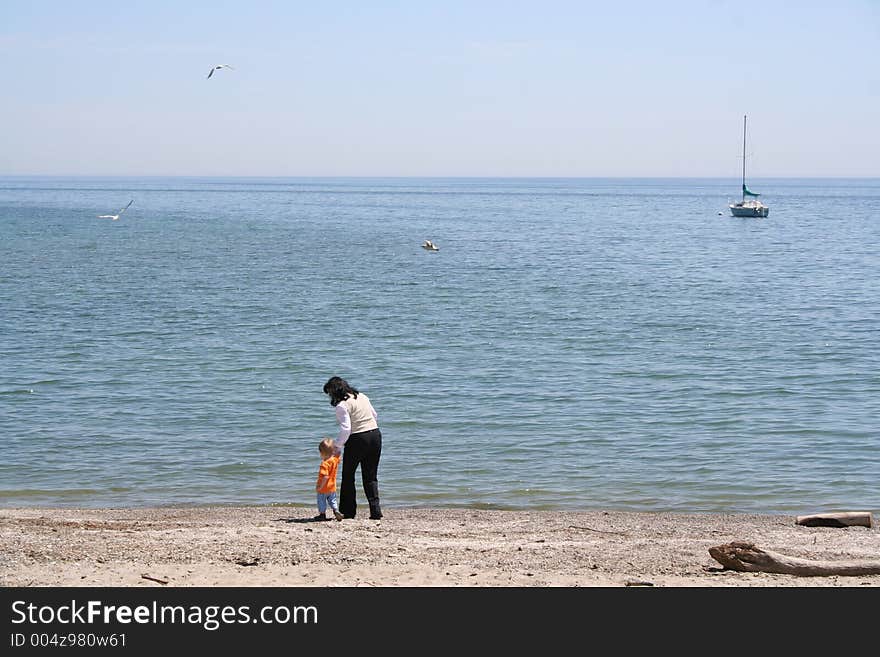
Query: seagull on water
x=428 y=245
x=219 y=66
x=114 y=217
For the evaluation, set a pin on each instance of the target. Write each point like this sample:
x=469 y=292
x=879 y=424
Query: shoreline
x=279 y=545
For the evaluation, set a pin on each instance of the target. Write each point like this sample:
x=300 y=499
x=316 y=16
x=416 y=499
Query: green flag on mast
x=747 y=192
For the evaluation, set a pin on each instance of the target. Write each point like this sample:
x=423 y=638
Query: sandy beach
x=281 y=546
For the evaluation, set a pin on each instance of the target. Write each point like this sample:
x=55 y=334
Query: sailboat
x=751 y=207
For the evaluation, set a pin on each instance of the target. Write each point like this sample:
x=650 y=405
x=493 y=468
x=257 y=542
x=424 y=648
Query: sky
x=625 y=88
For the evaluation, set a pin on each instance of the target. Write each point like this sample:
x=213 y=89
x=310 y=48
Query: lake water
x=575 y=343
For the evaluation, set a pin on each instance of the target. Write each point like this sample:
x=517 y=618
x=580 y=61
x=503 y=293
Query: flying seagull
x=219 y=66
x=114 y=217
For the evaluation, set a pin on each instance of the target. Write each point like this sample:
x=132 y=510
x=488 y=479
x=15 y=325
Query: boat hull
x=738 y=210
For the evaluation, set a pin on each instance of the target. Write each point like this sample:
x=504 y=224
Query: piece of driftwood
x=844 y=519
x=154 y=579
x=590 y=529
x=747 y=557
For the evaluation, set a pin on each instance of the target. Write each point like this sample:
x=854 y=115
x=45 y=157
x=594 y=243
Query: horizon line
x=427 y=177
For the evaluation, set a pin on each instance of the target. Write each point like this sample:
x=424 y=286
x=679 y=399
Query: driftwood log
x=845 y=519
x=747 y=557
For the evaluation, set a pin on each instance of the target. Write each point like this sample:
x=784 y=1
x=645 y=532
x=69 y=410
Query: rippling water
x=574 y=344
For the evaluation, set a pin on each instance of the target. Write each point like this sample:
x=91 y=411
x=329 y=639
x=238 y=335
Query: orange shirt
x=328 y=469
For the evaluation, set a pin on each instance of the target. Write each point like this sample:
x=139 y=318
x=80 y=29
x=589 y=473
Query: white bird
x=114 y=217
x=219 y=66
x=430 y=246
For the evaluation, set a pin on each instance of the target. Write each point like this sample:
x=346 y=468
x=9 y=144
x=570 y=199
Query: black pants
x=361 y=449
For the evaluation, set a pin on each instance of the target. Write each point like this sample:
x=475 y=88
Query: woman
x=360 y=436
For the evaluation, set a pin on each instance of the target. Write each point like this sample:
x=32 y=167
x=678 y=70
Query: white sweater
x=354 y=415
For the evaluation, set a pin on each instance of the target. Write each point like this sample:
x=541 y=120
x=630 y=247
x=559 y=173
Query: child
x=326 y=486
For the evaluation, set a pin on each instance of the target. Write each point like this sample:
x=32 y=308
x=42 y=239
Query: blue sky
x=550 y=88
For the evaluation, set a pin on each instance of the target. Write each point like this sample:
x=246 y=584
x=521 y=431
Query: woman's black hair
x=339 y=390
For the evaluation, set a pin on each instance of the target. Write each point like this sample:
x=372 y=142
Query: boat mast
x=744 y=160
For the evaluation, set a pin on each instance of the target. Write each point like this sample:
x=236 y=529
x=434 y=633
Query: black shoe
x=375 y=516
x=320 y=518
